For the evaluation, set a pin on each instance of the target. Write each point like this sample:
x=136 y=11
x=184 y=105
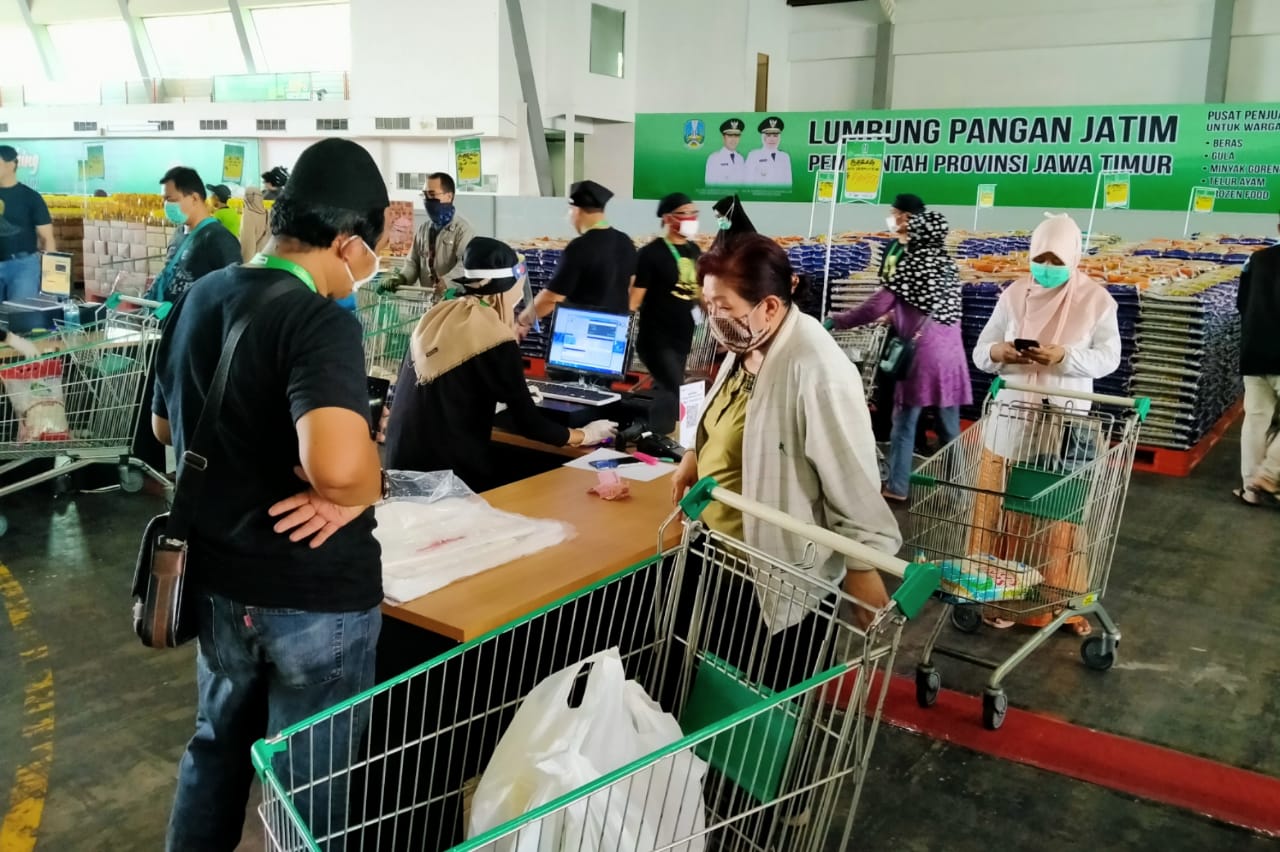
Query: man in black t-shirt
x=282 y=555
x=596 y=270
x=203 y=243
x=25 y=230
x=666 y=293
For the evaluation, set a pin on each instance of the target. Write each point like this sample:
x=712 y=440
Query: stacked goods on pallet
x=123 y=256
x=68 y=231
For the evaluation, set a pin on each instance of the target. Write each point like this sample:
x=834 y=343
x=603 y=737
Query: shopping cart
x=388 y=321
x=785 y=726
x=79 y=403
x=1022 y=512
x=863 y=346
x=702 y=353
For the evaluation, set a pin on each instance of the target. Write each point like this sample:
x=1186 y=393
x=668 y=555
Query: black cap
x=589 y=194
x=484 y=257
x=220 y=190
x=772 y=123
x=732 y=125
x=8 y=153
x=672 y=202
x=908 y=203
x=337 y=173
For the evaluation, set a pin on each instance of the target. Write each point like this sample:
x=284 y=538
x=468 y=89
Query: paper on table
x=634 y=472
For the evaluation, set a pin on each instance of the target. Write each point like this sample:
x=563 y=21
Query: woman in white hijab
x=1066 y=325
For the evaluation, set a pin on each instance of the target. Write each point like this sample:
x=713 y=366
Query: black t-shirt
x=208 y=249
x=666 y=314
x=446 y=425
x=24 y=209
x=595 y=271
x=302 y=352
x=1258 y=301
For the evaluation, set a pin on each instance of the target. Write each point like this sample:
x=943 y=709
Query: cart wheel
x=994 y=705
x=1096 y=655
x=966 y=618
x=4 y=525
x=928 y=682
x=131 y=479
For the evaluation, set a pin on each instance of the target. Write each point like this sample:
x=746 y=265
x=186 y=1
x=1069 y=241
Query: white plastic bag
x=551 y=749
x=35 y=391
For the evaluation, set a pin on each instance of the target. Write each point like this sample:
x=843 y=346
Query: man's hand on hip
x=308 y=515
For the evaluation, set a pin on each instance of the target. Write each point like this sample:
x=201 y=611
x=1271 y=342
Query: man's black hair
x=446 y=181
x=8 y=153
x=185 y=180
x=318 y=225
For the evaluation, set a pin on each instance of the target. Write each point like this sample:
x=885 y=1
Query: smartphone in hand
x=1022 y=344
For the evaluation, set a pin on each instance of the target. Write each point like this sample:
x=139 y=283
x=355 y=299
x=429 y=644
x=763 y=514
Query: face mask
x=736 y=334
x=440 y=213
x=723 y=224
x=360 y=282
x=347 y=304
x=688 y=228
x=892 y=222
x=1048 y=275
x=173 y=212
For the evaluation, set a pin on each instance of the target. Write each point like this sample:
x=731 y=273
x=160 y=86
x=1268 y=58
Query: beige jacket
x=254 y=230
x=428 y=270
x=808 y=450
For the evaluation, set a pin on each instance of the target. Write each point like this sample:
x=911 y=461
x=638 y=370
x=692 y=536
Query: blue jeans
x=259 y=671
x=19 y=277
x=902 y=442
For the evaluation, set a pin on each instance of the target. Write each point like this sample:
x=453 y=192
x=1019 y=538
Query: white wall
x=610 y=150
x=693 y=56
x=832 y=51
x=1254 y=74
x=1047 y=53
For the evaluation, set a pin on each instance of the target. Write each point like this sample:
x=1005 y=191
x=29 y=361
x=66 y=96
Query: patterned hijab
x=926 y=277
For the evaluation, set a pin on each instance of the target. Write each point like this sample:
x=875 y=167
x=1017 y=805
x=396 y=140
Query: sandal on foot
x=1079 y=625
x=1247 y=496
x=998 y=623
x=894 y=498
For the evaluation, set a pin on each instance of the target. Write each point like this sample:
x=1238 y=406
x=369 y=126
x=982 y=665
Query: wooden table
x=609 y=536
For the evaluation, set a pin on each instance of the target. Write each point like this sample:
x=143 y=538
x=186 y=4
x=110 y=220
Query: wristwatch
x=386 y=485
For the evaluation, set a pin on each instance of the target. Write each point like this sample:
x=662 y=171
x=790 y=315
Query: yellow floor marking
x=31 y=780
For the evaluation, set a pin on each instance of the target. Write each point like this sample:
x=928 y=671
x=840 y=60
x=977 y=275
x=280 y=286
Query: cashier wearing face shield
x=463 y=363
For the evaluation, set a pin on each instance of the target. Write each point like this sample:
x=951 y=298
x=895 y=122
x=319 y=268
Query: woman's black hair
x=755 y=267
x=319 y=225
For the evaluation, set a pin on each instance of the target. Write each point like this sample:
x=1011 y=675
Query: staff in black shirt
x=596 y=270
x=463 y=361
x=666 y=294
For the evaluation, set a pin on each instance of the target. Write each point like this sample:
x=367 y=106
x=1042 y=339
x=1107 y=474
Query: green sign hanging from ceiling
x=1048 y=157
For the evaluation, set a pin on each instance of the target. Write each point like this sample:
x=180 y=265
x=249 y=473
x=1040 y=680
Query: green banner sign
x=1040 y=156
x=466 y=156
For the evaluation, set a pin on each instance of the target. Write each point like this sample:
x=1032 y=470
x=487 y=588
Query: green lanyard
x=270 y=261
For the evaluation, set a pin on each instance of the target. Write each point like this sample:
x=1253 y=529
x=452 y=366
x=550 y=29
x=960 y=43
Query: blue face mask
x=349 y=303
x=1048 y=275
x=173 y=212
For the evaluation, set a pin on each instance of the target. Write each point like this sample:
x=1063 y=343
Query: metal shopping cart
x=1022 y=512
x=864 y=346
x=388 y=321
x=785 y=726
x=702 y=353
x=79 y=403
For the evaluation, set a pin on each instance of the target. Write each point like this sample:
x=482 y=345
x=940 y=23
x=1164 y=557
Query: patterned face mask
x=735 y=333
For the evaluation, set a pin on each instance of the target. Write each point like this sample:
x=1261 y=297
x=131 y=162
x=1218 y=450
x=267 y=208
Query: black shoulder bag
x=900 y=352
x=162 y=616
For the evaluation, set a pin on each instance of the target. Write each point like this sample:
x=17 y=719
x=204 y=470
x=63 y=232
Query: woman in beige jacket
x=254 y=230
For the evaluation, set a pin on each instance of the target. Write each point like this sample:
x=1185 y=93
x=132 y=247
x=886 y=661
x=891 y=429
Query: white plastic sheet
x=551 y=749
x=434 y=531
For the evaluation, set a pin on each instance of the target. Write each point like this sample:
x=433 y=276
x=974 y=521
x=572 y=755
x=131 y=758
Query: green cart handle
x=919 y=579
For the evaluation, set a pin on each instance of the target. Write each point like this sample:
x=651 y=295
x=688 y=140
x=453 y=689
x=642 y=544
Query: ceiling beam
x=242 y=22
x=148 y=67
x=40 y=35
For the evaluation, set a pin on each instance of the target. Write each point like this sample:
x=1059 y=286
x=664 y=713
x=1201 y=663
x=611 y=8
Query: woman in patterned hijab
x=920 y=298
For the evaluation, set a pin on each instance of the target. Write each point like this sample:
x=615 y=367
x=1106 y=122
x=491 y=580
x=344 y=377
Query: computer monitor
x=590 y=343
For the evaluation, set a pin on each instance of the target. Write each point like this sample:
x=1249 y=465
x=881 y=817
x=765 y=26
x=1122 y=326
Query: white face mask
x=688 y=228
x=892 y=222
x=357 y=283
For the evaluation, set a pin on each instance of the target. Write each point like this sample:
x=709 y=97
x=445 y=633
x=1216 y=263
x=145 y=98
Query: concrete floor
x=1193 y=589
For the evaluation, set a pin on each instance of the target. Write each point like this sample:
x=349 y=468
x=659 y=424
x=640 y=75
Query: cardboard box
x=91 y=261
x=156 y=240
x=121 y=250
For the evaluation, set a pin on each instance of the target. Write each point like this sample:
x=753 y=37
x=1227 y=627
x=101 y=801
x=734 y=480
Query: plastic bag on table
x=551 y=749
x=434 y=531
x=35 y=390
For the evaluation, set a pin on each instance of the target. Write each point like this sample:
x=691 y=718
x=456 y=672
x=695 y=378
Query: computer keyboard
x=575 y=393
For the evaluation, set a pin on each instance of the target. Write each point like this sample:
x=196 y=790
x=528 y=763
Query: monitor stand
x=573 y=377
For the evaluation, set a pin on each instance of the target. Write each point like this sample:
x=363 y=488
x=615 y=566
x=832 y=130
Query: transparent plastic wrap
x=435 y=531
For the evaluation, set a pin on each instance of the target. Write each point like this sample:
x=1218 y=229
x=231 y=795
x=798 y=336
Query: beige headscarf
x=454 y=332
x=1063 y=315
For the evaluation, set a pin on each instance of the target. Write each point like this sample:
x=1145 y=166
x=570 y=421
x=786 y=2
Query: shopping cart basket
x=388 y=321
x=863 y=346
x=785 y=726
x=1022 y=513
x=79 y=403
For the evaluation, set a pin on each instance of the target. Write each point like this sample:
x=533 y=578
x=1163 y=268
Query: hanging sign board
x=692 y=397
x=1115 y=191
x=826 y=186
x=232 y=163
x=95 y=163
x=863 y=171
x=466 y=156
x=986 y=195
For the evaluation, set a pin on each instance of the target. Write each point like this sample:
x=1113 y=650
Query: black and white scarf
x=926 y=277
